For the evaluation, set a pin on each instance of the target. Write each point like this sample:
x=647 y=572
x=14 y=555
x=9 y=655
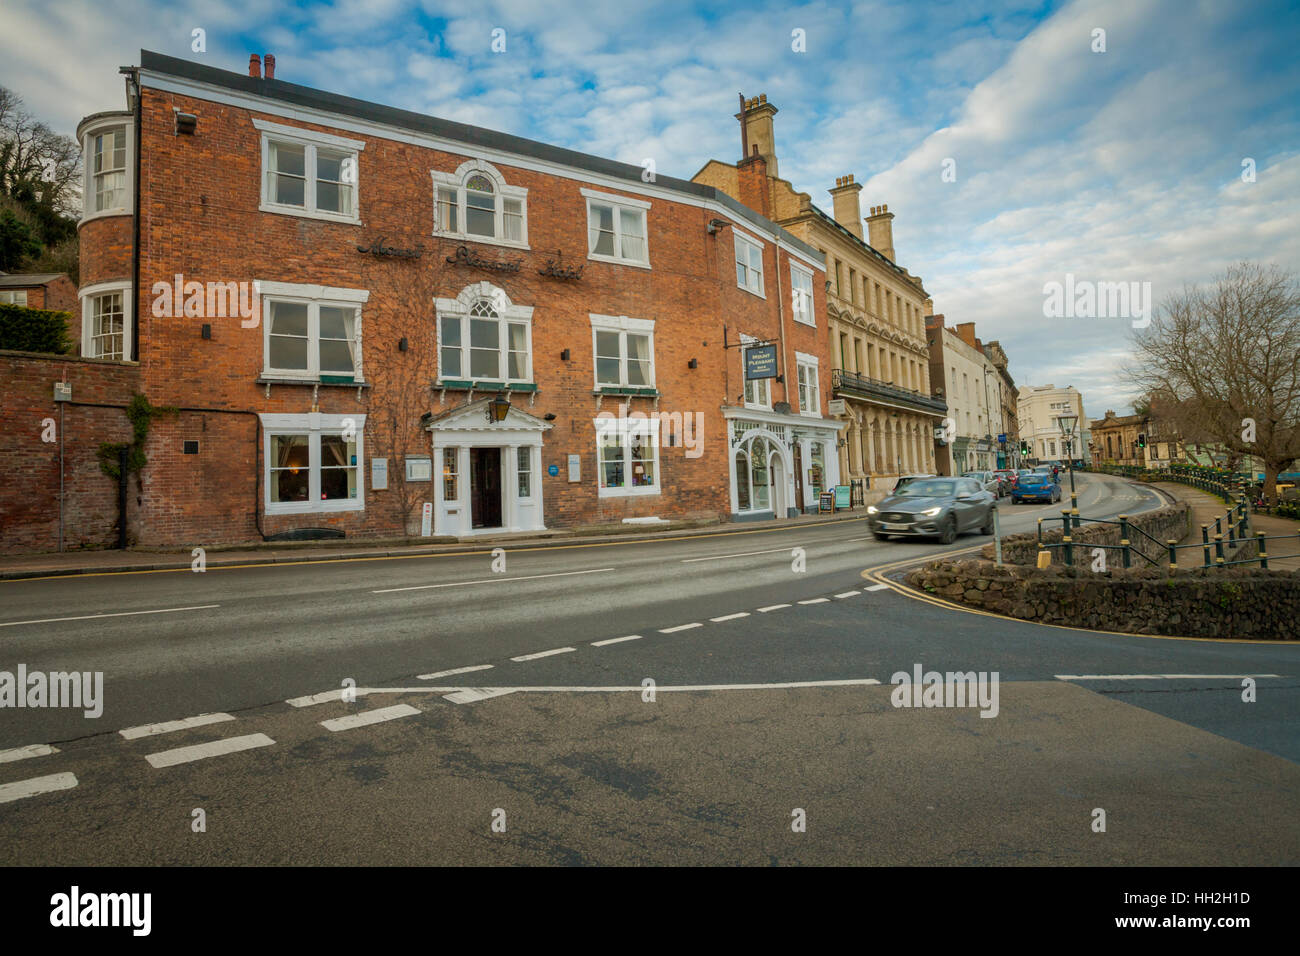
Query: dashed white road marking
x=616 y=640
x=91 y=617
x=847 y=594
x=468 y=695
x=816 y=601
x=729 y=617
x=679 y=627
x=878 y=587
x=550 y=653
x=367 y=717
x=772 y=607
x=36 y=786
x=743 y=554
x=148 y=730
x=1159 y=676
x=484 y=692
x=452 y=673
x=214 y=748
x=322 y=698
x=462 y=584
x=22 y=753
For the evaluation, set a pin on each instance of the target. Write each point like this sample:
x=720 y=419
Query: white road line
x=679 y=627
x=847 y=594
x=322 y=698
x=729 y=617
x=367 y=717
x=468 y=695
x=22 y=753
x=462 y=584
x=91 y=617
x=816 y=601
x=1159 y=676
x=771 y=607
x=616 y=640
x=214 y=748
x=878 y=587
x=36 y=786
x=148 y=730
x=743 y=554
x=532 y=657
x=452 y=673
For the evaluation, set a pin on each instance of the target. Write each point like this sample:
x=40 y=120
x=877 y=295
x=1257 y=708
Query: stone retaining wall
x=1162 y=524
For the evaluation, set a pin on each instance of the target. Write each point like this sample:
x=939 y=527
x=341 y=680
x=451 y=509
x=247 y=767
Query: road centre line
x=532 y=657
x=616 y=640
x=170 y=726
x=816 y=601
x=878 y=587
x=729 y=617
x=461 y=584
x=847 y=594
x=36 y=786
x=23 y=753
x=746 y=554
x=679 y=627
x=772 y=607
x=1160 y=676
x=454 y=672
x=91 y=617
x=367 y=717
x=214 y=748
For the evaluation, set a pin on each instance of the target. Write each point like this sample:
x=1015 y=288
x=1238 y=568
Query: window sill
x=745 y=288
x=329 y=380
x=465 y=385
x=309 y=214
x=632 y=390
x=485 y=240
x=314 y=507
x=103 y=214
x=615 y=261
x=629 y=492
x=811 y=323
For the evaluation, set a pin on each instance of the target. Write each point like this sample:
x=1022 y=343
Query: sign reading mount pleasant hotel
x=760 y=362
x=377 y=248
x=465 y=256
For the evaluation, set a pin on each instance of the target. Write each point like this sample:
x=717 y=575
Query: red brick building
x=336 y=301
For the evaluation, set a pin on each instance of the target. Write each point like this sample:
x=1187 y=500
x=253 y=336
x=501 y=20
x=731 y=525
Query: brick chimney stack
x=880 y=228
x=756 y=118
x=255 y=65
x=848 y=211
x=755 y=188
x=270 y=66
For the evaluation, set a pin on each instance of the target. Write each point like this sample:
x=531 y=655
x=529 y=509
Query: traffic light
x=1024 y=448
x=1142 y=440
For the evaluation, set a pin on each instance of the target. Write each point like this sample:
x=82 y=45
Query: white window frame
x=456 y=181
x=10 y=297
x=507 y=312
x=309 y=140
x=313 y=296
x=87 y=296
x=87 y=168
x=622 y=325
x=524 y=464
x=621 y=204
x=627 y=429
x=810 y=362
x=797 y=295
x=749 y=241
x=312 y=424
x=766 y=383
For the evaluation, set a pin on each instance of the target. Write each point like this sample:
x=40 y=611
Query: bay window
x=108 y=174
x=106 y=321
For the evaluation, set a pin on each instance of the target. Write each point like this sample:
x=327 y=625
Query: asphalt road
x=584 y=764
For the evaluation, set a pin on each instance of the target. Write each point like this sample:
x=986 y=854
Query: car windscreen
x=1033 y=480
x=930 y=488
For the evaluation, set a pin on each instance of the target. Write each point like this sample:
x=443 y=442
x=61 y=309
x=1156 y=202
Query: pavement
x=685 y=699
x=1283 y=553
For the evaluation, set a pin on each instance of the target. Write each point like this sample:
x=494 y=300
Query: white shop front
x=779 y=463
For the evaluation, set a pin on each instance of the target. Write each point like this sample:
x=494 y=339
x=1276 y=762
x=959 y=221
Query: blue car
x=1035 y=486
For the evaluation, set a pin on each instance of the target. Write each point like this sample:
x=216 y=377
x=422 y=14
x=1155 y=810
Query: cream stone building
x=875 y=308
x=1039 y=411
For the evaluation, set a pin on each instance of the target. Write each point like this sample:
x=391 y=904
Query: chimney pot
x=254 y=65
x=762 y=97
x=270 y=66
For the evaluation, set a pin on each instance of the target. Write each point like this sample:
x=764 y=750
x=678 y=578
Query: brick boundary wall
x=1232 y=602
x=29 y=496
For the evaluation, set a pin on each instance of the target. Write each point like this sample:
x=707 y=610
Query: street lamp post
x=1067 y=423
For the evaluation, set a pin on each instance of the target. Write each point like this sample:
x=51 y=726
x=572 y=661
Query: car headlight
x=931 y=512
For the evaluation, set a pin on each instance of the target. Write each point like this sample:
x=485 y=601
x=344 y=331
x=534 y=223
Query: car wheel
x=987 y=527
x=949 y=534
x=881 y=537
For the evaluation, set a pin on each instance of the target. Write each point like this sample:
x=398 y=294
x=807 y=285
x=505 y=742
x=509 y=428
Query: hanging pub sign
x=465 y=256
x=377 y=248
x=760 y=362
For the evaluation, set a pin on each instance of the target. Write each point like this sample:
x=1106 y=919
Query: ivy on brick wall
x=141 y=415
x=34 y=330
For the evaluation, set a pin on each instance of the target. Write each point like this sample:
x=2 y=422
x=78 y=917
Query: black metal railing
x=843 y=380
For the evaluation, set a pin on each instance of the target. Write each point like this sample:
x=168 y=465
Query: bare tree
x=38 y=166
x=1226 y=362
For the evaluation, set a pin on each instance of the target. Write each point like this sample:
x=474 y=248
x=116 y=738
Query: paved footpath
x=1205 y=507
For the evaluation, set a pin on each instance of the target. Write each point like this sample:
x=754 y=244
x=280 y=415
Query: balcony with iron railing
x=855 y=385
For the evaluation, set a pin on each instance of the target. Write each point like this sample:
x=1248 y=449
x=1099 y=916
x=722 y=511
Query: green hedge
x=34 y=330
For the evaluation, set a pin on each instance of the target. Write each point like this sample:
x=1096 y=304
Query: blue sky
x=1115 y=166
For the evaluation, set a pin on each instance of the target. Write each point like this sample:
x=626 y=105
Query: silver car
x=987 y=479
x=934 y=507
